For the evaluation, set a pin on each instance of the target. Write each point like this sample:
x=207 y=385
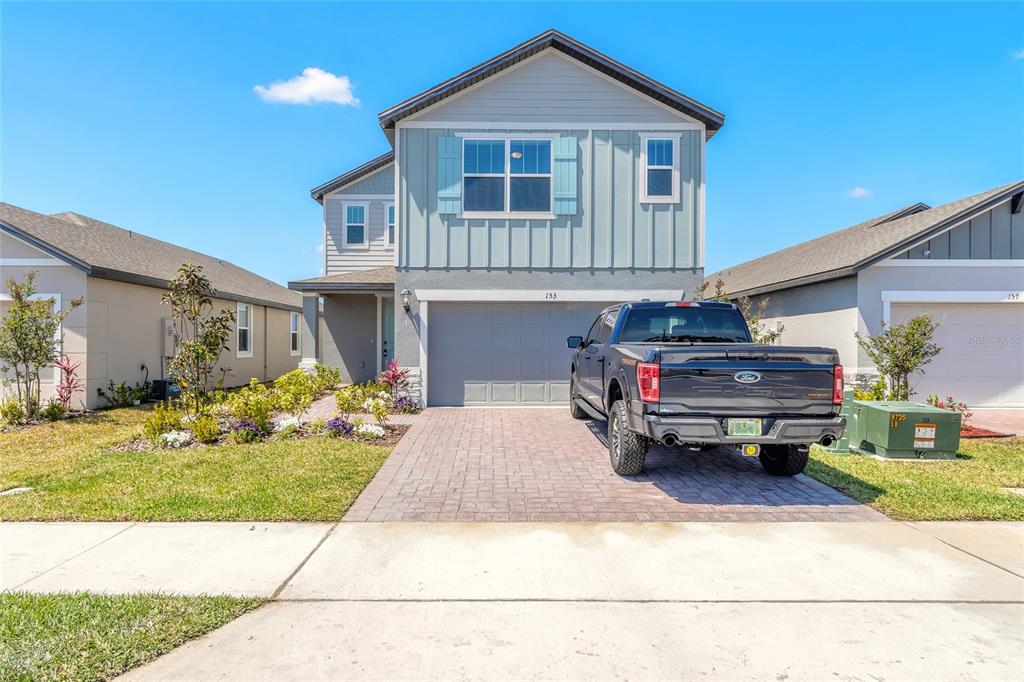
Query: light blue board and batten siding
x=994 y=235
x=611 y=229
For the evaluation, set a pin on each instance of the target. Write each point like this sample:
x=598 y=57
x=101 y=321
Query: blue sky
x=144 y=115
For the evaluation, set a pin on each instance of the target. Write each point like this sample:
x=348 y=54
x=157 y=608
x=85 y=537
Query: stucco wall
x=67 y=282
x=349 y=335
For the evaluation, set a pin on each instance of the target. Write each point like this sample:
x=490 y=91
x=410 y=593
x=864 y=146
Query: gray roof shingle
x=113 y=252
x=844 y=252
x=356 y=280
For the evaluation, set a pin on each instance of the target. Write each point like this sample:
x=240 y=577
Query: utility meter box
x=903 y=430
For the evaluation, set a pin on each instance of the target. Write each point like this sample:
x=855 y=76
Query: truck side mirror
x=574 y=342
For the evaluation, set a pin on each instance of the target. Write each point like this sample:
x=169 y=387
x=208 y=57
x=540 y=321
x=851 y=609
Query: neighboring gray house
x=961 y=263
x=520 y=198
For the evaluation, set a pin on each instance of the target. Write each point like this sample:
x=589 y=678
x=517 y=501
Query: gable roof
x=713 y=120
x=107 y=251
x=847 y=251
x=355 y=280
x=348 y=177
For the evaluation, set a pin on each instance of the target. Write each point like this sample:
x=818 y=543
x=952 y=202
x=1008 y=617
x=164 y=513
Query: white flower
x=175 y=439
x=385 y=396
x=371 y=430
x=371 y=404
x=286 y=424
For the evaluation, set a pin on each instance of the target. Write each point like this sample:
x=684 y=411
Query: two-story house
x=520 y=197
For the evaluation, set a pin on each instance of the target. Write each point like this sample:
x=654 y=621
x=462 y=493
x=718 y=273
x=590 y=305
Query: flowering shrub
x=406 y=405
x=175 y=439
x=339 y=426
x=379 y=407
x=370 y=431
x=295 y=391
x=245 y=431
x=950 y=403
x=288 y=427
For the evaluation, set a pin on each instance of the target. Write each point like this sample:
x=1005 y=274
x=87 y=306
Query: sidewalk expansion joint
x=288 y=579
x=961 y=549
x=70 y=558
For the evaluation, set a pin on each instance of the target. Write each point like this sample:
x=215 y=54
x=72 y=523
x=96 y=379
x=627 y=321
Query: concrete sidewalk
x=568 y=601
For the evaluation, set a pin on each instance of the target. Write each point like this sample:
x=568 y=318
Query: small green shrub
x=876 y=391
x=205 y=429
x=348 y=400
x=52 y=411
x=163 y=419
x=316 y=427
x=326 y=378
x=296 y=391
x=254 y=403
x=11 y=411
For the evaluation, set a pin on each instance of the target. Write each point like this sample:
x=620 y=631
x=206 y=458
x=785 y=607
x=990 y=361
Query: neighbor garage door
x=982 y=358
x=503 y=353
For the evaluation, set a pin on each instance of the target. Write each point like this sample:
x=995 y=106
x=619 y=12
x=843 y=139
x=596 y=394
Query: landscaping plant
x=751 y=313
x=900 y=350
x=202 y=335
x=950 y=403
x=69 y=381
x=52 y=410
x=326 y=378
x=123 y=395
x=296 y=391
x=394 y=378
x=163 y=419
x=245 y=431
x=255 y=403
x=30 y=338
x=205 y=428
x=406 y=405
x=339 y=426
x=11 y=411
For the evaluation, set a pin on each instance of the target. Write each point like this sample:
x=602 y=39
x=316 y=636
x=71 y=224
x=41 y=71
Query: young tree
x=758 y=331
x=202 y=335
x=30 y=338
x=900 y=350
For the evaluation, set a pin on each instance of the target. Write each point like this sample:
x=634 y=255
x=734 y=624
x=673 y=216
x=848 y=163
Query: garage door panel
x=982 y=357
x=503 y=353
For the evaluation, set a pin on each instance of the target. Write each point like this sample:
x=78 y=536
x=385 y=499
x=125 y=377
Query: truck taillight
x=837 y=384
x=648 y=379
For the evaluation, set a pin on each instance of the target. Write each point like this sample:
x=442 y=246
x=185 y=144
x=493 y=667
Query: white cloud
x=1017 y=54
x=313 y=86
x=858 y=192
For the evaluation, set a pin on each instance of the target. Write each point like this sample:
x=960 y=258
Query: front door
x=387 y=331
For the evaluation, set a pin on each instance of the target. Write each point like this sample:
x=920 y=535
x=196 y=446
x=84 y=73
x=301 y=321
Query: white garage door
x=982 y=358
x=503 y=353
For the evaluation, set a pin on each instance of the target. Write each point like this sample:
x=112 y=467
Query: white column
x=310 y=330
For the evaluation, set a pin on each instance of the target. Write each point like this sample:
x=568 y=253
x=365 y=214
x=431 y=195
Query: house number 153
x=550 y=295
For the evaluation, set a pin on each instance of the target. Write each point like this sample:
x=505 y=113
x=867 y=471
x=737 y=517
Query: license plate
x=744 y=427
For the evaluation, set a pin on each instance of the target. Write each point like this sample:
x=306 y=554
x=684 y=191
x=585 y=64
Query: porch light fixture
x=406 y=299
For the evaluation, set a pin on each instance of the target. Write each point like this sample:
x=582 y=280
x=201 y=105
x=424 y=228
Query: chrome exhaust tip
x=670 y=439
x=827 y=440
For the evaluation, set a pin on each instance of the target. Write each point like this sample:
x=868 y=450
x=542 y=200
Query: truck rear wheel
x=627 y=450
x=574 y=409
x=783 y=460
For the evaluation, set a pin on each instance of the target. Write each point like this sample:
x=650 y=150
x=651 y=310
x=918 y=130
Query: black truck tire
x=627 y=450
x=574 y=409
x=783 y=460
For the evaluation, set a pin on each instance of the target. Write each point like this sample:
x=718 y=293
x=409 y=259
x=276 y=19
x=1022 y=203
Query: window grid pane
x=355 y=215
x=484 y=156
x=532 y=157
x=659 y=153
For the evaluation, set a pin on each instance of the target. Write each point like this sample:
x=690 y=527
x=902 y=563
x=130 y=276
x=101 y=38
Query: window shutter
x=565 y=176
x=449 y=174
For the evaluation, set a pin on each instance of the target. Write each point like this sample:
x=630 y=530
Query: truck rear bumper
x=709 y=430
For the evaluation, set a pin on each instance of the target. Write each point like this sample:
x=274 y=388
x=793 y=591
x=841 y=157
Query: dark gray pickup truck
x=687 y=373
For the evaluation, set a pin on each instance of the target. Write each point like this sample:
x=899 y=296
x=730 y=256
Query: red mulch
x=968 y=431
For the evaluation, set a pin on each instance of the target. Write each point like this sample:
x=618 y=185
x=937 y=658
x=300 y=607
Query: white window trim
x=674 y=197
x=293 y=317
x=60 y=328
x=509 y=214
x=365 y=244
x=248 y=328
x=390 y=229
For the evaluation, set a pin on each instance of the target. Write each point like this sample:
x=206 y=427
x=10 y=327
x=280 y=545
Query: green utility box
x=902 y=430
x=843 y=444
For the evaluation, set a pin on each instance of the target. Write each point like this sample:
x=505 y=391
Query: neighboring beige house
x=962 y=263
x=121 y=275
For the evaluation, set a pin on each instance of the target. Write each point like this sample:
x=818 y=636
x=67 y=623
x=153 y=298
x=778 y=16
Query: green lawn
x=75 y=476
x=90 y=637
x=961 y=489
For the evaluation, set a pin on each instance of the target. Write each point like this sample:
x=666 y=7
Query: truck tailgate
x=747 y=380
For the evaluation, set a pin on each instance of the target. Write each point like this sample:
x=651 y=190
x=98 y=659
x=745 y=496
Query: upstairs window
x=507 y=176
x=660 y=161
x=243 y=338
x=355 y=224
x=391 y=223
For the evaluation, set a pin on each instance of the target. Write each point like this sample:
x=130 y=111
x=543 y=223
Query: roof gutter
x=340 y=287
x=157 y=283
x=46 y=247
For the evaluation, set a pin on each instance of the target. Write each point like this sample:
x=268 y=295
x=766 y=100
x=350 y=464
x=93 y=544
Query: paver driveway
x=466 y=464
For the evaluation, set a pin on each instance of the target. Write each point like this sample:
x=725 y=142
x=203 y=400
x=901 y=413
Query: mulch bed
x=969 y=431
x=391 y=438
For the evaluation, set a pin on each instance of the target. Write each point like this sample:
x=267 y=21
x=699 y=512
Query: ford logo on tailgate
x=747 y=377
